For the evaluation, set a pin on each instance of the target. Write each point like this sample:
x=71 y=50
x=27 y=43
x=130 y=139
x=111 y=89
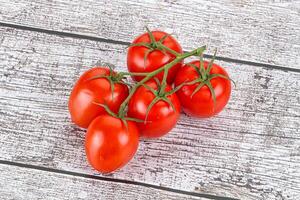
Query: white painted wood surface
x=250 y=151
x=22 y=183
x=259 y=31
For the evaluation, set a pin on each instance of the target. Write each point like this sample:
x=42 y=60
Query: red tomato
x=85 y=92
x=161 y=118
x=155 y=59
x=201 y=104
x=109 y=144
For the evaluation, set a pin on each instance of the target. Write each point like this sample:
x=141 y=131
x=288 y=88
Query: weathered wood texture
x=250 y=151
x=22 y=183
x=259 y=31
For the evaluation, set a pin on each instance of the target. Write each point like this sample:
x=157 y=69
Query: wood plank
x=258 y=31
x=23 y=183
x=250 y=151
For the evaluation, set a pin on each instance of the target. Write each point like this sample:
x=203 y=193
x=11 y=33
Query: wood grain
x=250 y=151
x=21 y=183
x=258 y=31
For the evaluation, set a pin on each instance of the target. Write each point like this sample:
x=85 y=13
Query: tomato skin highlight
x=201 y=104
x=85 y=92
x=161 y=118
x=109 y=145
x=155 y=59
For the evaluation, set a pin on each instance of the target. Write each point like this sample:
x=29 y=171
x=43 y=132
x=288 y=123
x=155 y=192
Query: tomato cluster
x=116 y=114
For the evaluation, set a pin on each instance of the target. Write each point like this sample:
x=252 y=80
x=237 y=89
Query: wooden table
x=249 y=151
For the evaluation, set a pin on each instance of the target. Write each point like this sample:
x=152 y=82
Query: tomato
x=110 y=144
x=87 y=91
x=136 y=61
x=161 y=117
x=201 y=104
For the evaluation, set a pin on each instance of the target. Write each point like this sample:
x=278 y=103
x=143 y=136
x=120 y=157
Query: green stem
x=149 y=75
x=106 y=108
x=133 y=73
x=160 y=45
x=164 y=82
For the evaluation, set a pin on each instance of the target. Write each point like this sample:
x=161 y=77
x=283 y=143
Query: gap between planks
x=99 y=39
x=94 y=177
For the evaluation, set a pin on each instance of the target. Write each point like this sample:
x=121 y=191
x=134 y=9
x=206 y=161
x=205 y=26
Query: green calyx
x=112 y=77
x=155 y=45
x=160 y=95
x=123 y=119
x=205 y=77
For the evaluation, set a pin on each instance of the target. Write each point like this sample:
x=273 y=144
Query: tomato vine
x=116 y=113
